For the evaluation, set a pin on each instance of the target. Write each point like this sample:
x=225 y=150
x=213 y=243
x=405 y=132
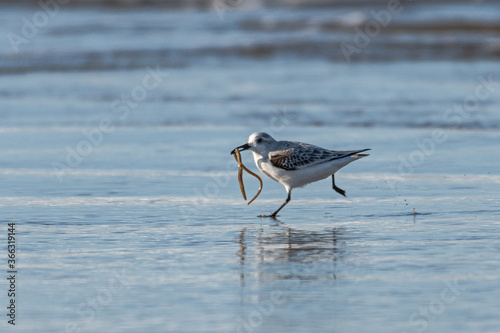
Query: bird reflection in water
x=282 y=253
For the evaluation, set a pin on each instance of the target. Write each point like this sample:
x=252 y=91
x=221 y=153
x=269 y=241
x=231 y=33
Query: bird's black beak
x=241 y=148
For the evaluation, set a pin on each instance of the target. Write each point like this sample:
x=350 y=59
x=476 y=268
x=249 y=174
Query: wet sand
x=115 y=133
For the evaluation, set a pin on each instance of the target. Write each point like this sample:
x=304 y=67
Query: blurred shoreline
x=384 y=64
x=47 y=36
x=209 y=3
x=232 y=3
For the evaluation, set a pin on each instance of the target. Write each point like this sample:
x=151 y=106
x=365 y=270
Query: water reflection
x=281 y=253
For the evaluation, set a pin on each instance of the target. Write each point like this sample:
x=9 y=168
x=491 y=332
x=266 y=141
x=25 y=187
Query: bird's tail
x=349 y=156
x=354 y=153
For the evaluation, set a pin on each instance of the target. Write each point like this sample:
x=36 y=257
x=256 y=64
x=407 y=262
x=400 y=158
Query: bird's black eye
x=259 y=140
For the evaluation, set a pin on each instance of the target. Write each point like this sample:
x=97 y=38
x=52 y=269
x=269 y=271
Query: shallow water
x=128 y=213
x=190 y=256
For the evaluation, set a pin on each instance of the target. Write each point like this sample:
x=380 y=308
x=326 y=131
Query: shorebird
x=296 y=164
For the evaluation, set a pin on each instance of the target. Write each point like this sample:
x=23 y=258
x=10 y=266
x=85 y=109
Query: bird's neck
x=258 y=158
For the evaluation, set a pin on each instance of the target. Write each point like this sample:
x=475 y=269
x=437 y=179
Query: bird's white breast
x=264 y=165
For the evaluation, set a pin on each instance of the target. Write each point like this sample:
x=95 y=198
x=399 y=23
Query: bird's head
x=258 y=142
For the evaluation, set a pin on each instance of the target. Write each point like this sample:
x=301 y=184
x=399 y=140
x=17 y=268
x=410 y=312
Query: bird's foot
x=273 y=216
x=339 y=190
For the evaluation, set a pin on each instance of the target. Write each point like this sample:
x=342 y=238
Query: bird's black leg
x=273 y=215
x=337 y=189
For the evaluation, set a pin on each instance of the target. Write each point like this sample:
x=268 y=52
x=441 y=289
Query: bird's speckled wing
x=298 y=155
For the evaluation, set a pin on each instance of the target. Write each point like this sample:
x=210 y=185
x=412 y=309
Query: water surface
x=128 y=211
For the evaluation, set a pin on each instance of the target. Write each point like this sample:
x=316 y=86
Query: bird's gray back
x=291 y=155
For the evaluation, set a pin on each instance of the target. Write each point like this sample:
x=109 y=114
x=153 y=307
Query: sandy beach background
x=116 y=123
